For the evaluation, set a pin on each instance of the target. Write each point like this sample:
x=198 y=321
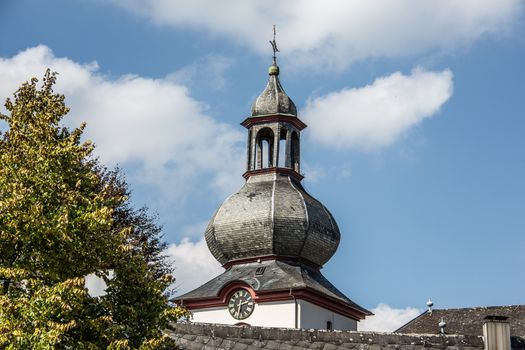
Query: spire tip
x=274 y=47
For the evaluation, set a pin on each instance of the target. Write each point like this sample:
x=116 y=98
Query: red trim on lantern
x=274 y=170
x=298 y=123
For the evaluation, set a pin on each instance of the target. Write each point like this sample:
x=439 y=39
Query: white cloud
x=312 y=173
x=95 y=285
x=376 y=115
x=194 y=264
x=387 y=319
x=153 y=125
x=209 y=70
x=346 y=170
x=335 y=33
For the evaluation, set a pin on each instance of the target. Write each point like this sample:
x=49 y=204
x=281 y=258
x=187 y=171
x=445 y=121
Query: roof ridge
x=482 y=307
x=412 y=320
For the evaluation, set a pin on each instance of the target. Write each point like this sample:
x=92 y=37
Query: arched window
x=294 y=153
x=264 y=142
x=249 y=158
x=282 y=148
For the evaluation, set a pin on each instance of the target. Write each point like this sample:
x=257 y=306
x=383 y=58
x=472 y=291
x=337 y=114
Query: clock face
x=241 y=304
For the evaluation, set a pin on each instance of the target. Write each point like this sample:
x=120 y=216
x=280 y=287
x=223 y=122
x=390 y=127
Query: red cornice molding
x=271 y=257
x=221 y=300
x=274 y=170
x=306 y=294
x=313 y=297
x=298 y=123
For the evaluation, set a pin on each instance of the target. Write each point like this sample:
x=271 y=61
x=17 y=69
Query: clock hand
x=239 y=308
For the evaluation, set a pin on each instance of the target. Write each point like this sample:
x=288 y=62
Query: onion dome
x=272 y=215
x=273 y=100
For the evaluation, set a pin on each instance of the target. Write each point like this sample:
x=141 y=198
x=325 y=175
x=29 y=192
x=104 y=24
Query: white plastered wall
x=280 y=314
x=271 y=314
x=313 y=316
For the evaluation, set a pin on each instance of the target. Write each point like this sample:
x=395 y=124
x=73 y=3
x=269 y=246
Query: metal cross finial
x=274 y=46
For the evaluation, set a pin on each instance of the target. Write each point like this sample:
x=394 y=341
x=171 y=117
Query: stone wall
x=194 y=336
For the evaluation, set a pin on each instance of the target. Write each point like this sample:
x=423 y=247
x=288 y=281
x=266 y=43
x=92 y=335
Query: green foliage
x=62 y=217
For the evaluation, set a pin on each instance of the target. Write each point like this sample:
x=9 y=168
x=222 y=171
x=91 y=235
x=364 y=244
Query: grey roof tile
x=276 y=338
x=273 y=99
x=469 y=321
x=466 y=320
x=278 y=275
x=272 y=215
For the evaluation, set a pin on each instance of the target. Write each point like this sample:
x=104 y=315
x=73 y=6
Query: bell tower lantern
x=274 y=130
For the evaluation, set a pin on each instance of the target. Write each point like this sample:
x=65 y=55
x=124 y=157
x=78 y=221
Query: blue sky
x=415 y=112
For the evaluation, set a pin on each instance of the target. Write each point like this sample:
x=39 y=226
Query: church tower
x=272 y=237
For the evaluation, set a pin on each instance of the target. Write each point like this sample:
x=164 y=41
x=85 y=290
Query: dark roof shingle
x=201 y=336
x=278 y=275
x=469 y=321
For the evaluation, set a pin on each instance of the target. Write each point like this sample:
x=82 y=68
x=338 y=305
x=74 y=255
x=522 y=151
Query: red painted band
x=305 y=294
x=274 y=170
x=298 y=123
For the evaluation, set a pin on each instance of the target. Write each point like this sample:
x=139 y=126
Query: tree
x=62 y=217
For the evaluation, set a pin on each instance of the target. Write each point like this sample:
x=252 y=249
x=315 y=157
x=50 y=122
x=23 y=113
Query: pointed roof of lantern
x=273 y=100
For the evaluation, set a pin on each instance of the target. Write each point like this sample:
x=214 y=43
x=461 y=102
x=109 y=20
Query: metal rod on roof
x=430 y=303
x=442 y=324
x=274 y=47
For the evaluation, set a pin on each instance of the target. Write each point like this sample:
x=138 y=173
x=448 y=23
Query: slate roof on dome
x=273 y=100
x=278 y=275
x=272 y=214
